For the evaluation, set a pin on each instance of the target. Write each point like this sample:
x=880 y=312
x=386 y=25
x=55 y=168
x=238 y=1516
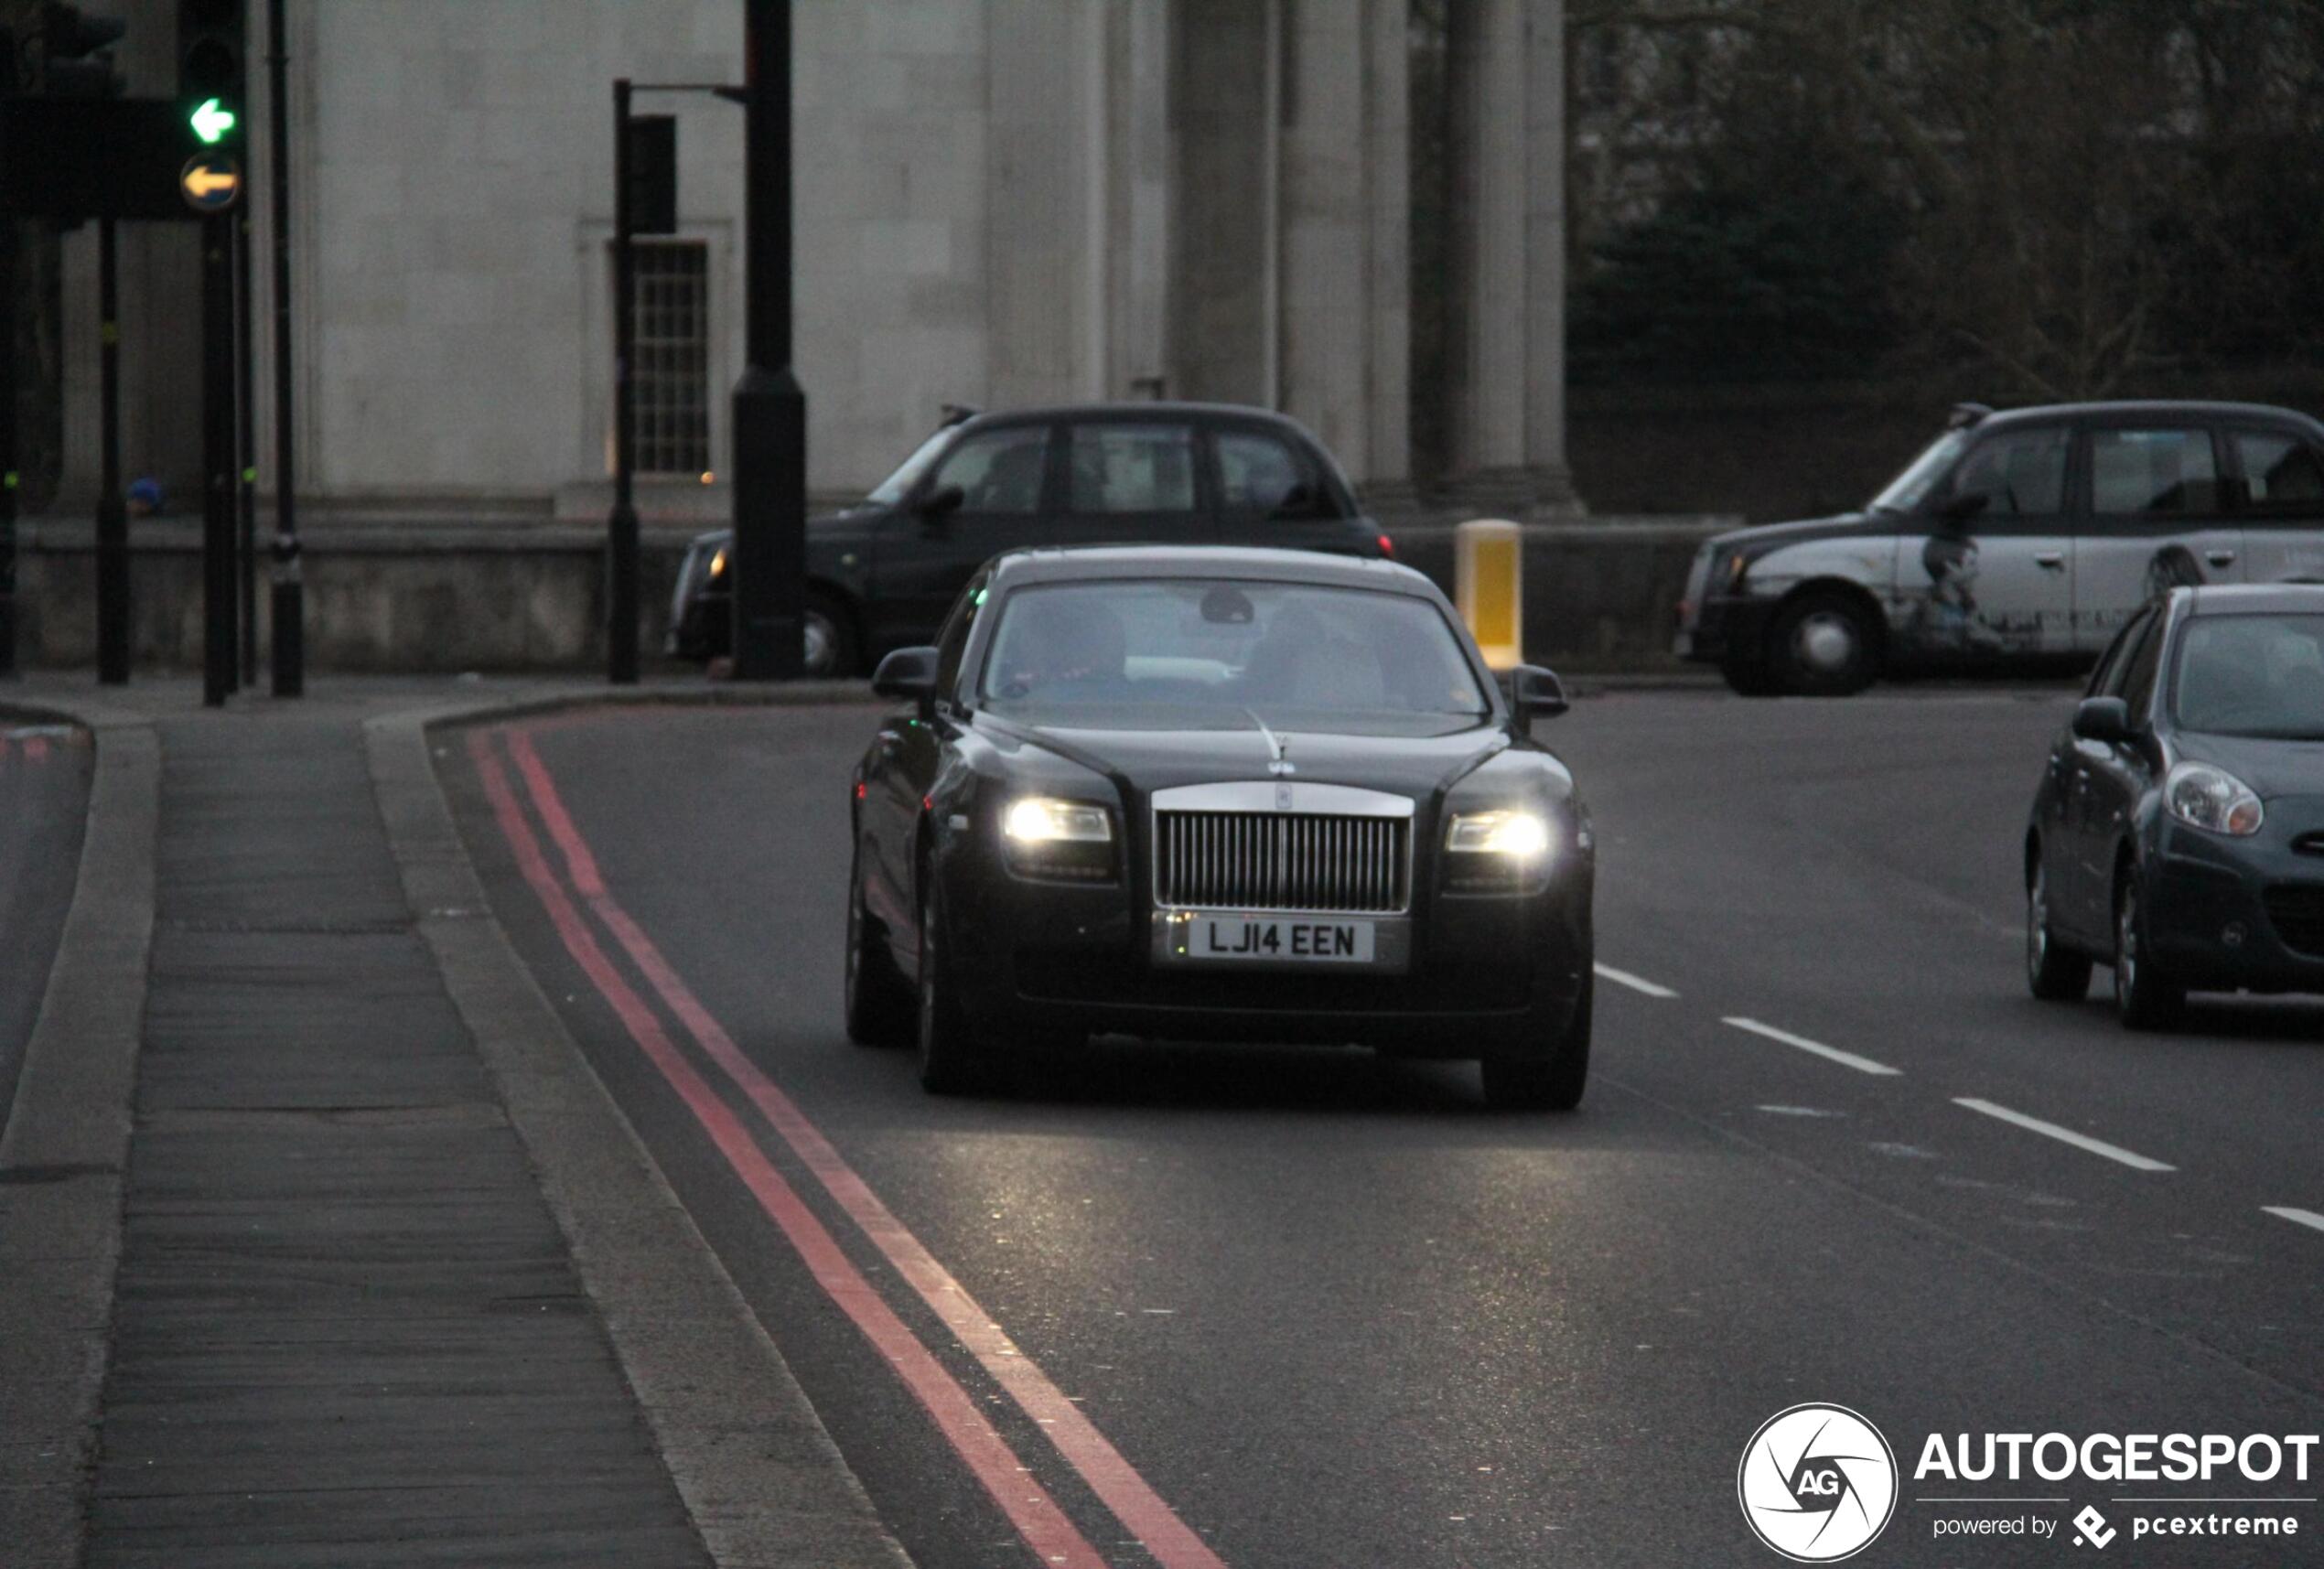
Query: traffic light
x=211 y=73
x=72 y=63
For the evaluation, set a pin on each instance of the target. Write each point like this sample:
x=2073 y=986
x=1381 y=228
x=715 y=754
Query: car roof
x=1066 y=564
x=1135 y=410
x=2149 y=408
x=2253 y=598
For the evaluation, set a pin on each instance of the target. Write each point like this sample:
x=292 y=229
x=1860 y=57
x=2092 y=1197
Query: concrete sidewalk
x=348 y=1325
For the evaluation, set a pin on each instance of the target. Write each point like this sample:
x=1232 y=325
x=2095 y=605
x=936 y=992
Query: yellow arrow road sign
x=211 y=183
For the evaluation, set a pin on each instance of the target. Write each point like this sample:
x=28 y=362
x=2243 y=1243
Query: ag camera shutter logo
x=1818 y=1483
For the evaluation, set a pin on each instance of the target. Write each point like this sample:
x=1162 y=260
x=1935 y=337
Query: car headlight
x=717 y=562
x=2213 y=798
x=1521 y=834
x=1071 y=840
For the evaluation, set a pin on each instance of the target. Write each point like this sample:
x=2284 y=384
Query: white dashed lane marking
x=1635 y=983
x=1829 y=1053
x=2064 y=1135
x=2307 y=1218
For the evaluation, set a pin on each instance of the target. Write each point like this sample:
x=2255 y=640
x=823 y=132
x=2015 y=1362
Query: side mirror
x=1537 y=694
x=942 y=504
x=2102 y=719
x=1961 y=508
x=908 y=676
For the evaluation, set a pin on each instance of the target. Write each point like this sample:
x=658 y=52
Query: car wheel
x=2055 y=973
x=2144 y=996
x=831 y=637
x=879 y=1000
x=950 y=1061
x=1823 y=645
x=1551 y=1083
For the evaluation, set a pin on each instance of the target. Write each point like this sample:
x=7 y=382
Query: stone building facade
x=998 y=202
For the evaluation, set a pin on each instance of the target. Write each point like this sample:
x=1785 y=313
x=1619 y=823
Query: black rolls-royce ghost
x=1219 y=793
x=2177 y=833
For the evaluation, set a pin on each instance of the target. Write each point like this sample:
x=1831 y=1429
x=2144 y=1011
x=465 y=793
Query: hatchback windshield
x=2253 y=676
x=1907 y=490
x=1205 y=653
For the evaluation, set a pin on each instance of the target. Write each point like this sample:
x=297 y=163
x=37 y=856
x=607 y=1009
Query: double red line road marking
x=1029 y=1507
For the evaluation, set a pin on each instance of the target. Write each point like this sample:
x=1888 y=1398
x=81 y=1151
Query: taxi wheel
x=2056 y=973
x=2144 y=998
x=879 y=1000
x=1552 y=1083
x=1822 y=644
x=830 y=637
x=950 y=1061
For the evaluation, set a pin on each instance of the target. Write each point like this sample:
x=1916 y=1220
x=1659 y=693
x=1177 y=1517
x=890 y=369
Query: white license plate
x=1278 y=940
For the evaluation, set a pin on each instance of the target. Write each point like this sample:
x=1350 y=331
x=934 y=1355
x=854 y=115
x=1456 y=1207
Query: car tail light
x=1387 y=547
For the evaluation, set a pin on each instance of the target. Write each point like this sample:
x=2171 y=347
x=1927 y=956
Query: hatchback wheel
x=1551 y=1083
x=2056 y=973
x=949 y=1061
x=879 y=1000
x=2144 y=996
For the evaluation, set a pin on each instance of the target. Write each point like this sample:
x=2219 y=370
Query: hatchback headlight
x=1523 y=834
x=1069 y=840
x=2213 y=798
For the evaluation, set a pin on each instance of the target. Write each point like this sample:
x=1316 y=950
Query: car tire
x=1550 y=1083
x=880 y=1003
x=2056 y=973
x=2145 y=998
x=831 y=649
x=951 y=1060
x=1822 y=644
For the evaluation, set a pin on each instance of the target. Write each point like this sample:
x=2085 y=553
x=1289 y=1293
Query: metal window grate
x=1282 y=861
x=672 y=374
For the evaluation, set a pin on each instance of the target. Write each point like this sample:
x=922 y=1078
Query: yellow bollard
x=1489 y=580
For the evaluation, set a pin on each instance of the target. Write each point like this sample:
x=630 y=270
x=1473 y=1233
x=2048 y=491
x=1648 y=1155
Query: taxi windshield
x=1200 y=653
x=893 y=489
x=2252 y=675
x=1908 y=489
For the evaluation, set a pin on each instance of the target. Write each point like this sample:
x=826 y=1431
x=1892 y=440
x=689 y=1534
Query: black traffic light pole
x=218 y=456
x=621 y=528
x=245 y=452
x=770 y=406
x=289 y=599
x=112 y=515
x=7 y=442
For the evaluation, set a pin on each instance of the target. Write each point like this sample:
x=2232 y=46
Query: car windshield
x=893 y=489
x=2252 y=675
x=1908 y=489
x=1203 y=654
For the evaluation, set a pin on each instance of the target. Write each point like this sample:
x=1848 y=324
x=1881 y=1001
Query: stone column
x=1386 y=474
x=1138 y=198
x=1546 y=257
x=1506 y=401
x=1343 y=265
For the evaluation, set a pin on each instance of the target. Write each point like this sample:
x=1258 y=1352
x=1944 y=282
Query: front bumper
x=1481 y=974
x=1722 y=626
x=2239 y=914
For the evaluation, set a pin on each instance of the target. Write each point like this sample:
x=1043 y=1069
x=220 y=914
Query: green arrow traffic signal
x=212 y=120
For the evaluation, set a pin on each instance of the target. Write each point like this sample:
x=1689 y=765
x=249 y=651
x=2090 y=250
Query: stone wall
x=1598 y=595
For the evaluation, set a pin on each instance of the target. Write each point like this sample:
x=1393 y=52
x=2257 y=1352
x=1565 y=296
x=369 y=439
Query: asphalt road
x=1269 y=1307
x=44 y=796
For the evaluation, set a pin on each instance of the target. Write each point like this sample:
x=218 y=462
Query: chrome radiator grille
x=1256 y=860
